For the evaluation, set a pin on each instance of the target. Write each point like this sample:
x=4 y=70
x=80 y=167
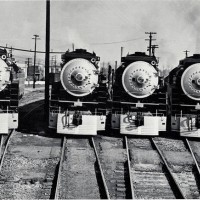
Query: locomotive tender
x=184 y=97
x=78 y=99
x=139 y=97
x=11 y=90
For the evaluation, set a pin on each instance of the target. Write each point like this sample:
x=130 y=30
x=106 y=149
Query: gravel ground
x=78 y=175
x=25 y=170
x=181 y=164
x=31 y=95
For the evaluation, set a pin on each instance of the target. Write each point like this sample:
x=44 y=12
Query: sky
x=104 y=26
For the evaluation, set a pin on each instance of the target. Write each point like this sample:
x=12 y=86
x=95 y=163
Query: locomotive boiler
x=139 y=97
x=78 y=99
x=184 y=97
x=11 y=90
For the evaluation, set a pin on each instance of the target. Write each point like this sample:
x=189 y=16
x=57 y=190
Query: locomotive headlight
x=140 y=79
x=78 y=77
x=190 y=81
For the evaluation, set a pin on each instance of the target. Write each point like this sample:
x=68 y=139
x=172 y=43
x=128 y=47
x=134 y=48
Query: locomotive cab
x=139 y=106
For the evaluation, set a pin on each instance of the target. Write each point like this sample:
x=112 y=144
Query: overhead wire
x=117 y=41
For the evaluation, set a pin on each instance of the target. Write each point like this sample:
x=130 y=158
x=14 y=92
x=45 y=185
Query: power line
x=26 y=50
x=117 y=41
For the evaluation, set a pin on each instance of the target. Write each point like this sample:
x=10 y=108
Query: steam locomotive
x=183 y=85
x=11 y=90
x=78 y=98
x=139 y=96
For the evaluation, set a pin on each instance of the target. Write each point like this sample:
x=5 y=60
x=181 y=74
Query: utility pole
x=150 y=41
x=115 y=65
x=46 y=105
x=72 y=46
x=36 y=37
x=122 y=48
x=153 y=49
x=186 y=53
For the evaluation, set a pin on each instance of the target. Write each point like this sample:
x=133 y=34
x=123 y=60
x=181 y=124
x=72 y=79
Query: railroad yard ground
x=32 y=161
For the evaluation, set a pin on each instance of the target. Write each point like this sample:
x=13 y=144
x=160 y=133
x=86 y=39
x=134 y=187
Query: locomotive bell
x=190 y=81
x=4 y=75
x=79 y=77
x=140 y=79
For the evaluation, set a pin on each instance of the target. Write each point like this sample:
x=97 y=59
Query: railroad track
x=114 y=158
x=4 y=145
x=80 y=174
x=149 y=174
x=181 y=164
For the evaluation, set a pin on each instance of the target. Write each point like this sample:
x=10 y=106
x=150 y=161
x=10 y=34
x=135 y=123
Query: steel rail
x=56 y=195
x=129 y=167
x=1 y=144
x=101 y=171
x=193 y=156
x=6 y=146
x=182 y=196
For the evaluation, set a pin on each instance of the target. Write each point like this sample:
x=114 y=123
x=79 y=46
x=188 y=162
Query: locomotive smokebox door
x=190 y=82
x=140 y=79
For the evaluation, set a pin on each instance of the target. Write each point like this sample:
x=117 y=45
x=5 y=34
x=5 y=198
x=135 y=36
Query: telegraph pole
x=36 y=37
x=122 y=48
x=186 y=53
x=46 y=105
x=153 y=49
x=150 y=41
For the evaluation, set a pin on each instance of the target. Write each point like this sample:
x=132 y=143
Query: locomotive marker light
x=190 y=82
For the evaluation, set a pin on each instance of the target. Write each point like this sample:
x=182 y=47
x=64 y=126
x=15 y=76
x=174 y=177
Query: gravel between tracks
x=113 y=158
x=25 y=170
x=182 y=165
x=78 y=174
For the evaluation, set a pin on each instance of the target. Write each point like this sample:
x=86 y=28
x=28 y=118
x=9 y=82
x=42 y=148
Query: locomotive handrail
x=131 y=113
x=91 y=113
x=3 y=100
x=140 y=102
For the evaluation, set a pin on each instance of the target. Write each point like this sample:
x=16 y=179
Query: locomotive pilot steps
x=11 y=90
x=78 y=99
x=184 y=97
